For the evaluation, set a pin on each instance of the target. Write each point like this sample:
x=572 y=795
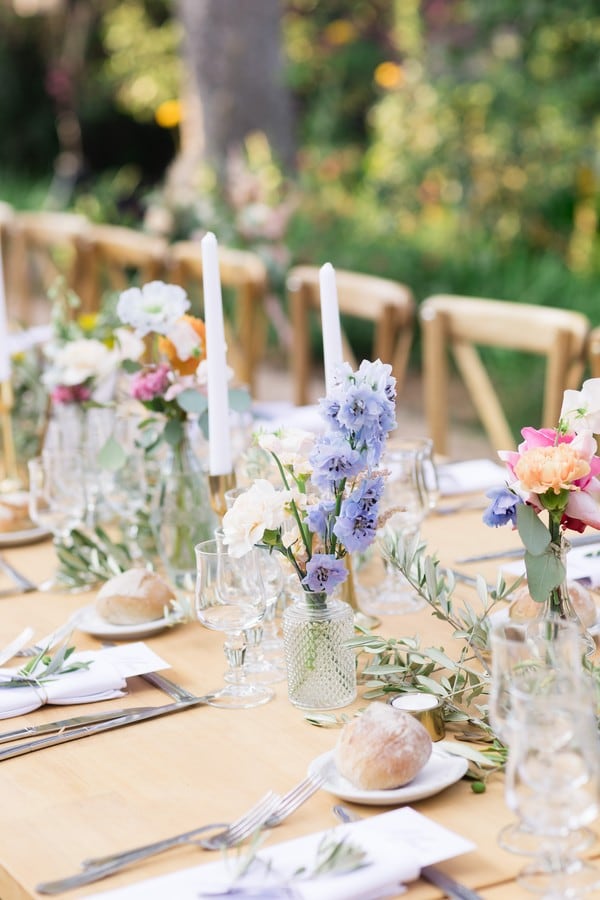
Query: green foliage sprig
x=90 y=558
x=43 y=667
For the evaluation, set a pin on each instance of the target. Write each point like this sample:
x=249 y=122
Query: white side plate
x=19 y=538
x=91 y=623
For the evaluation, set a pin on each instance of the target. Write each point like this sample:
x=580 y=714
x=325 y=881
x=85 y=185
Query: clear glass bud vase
x=181 y=514
x=321 y=669
x=559 y=605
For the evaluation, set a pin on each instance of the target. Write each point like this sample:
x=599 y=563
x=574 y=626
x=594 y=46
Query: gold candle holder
x=218 y=485
x=11 y=480
x=424 y=707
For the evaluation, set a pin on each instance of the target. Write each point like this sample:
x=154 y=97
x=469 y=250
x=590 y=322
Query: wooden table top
x=138 y=784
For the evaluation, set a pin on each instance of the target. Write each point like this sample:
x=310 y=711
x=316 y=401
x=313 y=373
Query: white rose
x=261 y=508
x=80 y=360
x=154 y=307
x=581 y=409
x=128 y=344
x=292 y=446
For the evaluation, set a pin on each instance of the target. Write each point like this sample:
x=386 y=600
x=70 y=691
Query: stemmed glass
x=410 y=493
x=553 y=780
x=523 y=656
x=57 y=498
x=231 y=597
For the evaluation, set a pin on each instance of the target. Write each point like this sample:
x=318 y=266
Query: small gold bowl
x=424 y=707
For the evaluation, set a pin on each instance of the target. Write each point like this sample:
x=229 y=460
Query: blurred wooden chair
x=388 y=304
x=118 y=257
x=459 y=325
x=245 y=274
x=594 y=352
x=43 y=247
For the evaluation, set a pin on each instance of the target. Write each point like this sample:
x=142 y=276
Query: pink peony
x=70 y=393
x=150 y=383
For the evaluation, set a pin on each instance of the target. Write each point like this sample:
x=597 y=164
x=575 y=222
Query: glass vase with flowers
x=553 y=487
x=325 y=508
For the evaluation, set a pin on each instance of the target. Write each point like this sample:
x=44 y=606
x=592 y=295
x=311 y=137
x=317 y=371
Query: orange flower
x=186 y=366
x=543 y=469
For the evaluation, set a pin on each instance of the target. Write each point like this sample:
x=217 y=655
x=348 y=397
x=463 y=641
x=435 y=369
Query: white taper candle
x=4 y=353
x=219 y=436
x=330 y=324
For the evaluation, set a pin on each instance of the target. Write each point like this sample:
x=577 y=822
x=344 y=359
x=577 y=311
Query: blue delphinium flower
x=503 y=508
x=324 y=572
x=319 y=518
x=334 y=460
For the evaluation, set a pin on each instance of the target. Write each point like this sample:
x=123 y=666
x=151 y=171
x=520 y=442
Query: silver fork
x=285 y=806
x=51 y=640
x=233 y=834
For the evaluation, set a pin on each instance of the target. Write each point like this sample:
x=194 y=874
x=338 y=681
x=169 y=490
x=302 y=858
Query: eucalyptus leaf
x=173 y=432
x=192 y=401
x=111 y=455
x=130 y=366
x=239 y=400
x=544 y=573
x=534 y=534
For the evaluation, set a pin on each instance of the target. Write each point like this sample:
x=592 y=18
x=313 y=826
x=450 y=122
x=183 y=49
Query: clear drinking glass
x=57 y=498
x=231 y=597
x=525 y=655
x=410 y=493
x=553 y=781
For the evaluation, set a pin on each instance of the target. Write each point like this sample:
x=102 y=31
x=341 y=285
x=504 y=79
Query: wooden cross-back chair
x=44 y=246
x=459 y=325
x=119 y=257
x=388 y=304
x=594 y=352
x=245 y=274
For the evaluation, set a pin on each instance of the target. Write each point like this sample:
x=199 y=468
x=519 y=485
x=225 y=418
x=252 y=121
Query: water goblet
x=57 y=498
x=524 y=654
x=231 y=597
x=409 y=494
x=553 y=781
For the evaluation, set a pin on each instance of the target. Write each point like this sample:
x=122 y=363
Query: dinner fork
x=232 y=835
x=286 y=805
x=52 y=639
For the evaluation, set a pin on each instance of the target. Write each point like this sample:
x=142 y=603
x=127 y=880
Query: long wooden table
x=137 y=784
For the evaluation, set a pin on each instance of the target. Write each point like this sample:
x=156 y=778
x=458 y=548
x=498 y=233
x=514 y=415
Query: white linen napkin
x=397 y=844
x=104 y=680
x=470 y=476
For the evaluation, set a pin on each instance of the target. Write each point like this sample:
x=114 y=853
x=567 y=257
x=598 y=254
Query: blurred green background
x=451 y=144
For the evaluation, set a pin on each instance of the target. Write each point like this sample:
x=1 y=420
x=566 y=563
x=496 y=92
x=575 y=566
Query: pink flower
x=541 y=464
x=150 y=383
x=70 y=393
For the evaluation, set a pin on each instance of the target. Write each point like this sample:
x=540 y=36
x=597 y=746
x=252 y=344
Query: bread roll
x=14 y=512
x=523 y=607
x=133 y=597
x=383 y=748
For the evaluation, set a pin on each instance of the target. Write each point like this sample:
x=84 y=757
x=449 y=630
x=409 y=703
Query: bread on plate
x=133 y=597
x=383 y=748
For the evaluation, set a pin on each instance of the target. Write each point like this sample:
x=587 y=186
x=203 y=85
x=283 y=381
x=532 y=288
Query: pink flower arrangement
x=74 y=393
x=150 y=382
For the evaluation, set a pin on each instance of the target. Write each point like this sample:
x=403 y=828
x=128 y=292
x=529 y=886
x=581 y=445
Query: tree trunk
x=233 y=47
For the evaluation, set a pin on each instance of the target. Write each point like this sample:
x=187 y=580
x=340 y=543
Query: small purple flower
x=150 y=383
x=365 y=497
x=356 y=532
x=324 y=572
x=333 y=460
x=503 y=508
x=319 y=517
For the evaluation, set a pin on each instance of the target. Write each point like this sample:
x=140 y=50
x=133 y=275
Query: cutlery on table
x=235 y=833
x=515 y=552
x=51 y=640
x=15 y=645
x=20 y=580
x=275 y=810
x=454 y=890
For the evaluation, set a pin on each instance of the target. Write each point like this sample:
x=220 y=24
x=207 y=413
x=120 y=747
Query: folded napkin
x=105 y=679
x=275 y=415
x=397 y=845
x=470 y=476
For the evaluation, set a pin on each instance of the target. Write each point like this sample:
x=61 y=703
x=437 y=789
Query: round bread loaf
x=523 y=607
x=133 y=597
x=382 y=748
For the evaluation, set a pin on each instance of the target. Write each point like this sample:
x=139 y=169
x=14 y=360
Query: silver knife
x=24 y=583
x=73 y=722
x=74 y=734
x=516 y=552
x=451 y=888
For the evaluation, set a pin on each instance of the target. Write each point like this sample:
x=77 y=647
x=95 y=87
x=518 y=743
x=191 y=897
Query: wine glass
x=553 y=780
x=231 y=597
x=409 y=494
x=525 y=655
x=57 y=497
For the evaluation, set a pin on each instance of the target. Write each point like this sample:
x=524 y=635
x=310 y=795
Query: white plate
x=18 y=538
x=94 y=624
x=439 y=772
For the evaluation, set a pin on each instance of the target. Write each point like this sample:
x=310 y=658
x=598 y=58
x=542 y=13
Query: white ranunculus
x=154 y=307
x=80 y=360
x=261 y=508
x=184 y=339
x=292 y=446
x=581 y=409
